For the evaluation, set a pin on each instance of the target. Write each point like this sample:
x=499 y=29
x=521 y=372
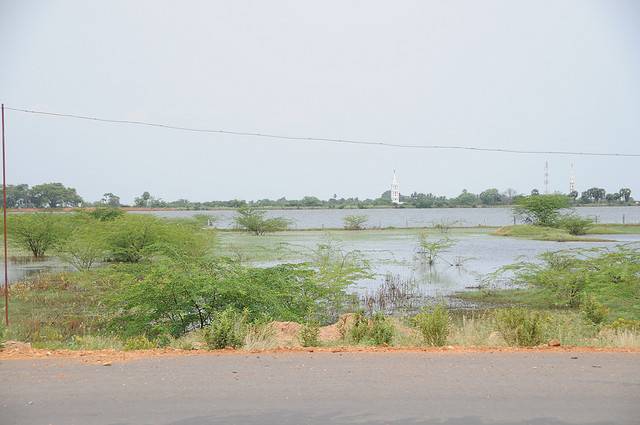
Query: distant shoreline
x=382 y=207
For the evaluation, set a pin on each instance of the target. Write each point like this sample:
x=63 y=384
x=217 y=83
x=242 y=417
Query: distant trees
x=110 y=199
x=147 y=201
x=466 y=198
x=625 y=193
x=595 y=194
x=490 y=197
x=47 y=195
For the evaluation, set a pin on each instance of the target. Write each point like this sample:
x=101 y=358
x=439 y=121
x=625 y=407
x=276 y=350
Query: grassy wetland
x=138 y=282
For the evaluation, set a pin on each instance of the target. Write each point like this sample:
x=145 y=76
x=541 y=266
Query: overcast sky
x=560 y=75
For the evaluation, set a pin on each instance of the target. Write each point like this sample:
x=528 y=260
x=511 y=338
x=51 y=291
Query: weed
x=381 y=330
x=309 y=334
x=519 y=326
x=139 y=342
x=228 y=329
x=260 y=336
x=433 y=326
x=592 y=310
x=359 y=328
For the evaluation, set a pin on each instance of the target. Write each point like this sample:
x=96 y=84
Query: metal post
x=4 y=214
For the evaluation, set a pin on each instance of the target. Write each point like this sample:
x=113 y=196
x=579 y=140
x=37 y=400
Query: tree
x=466 y=198
x=311 y=201
x=490 y=197
x=254 y=221
x=37 y=232
x=594 y=194
x=625 y=193
x=430 y=250
x=18 y=196
x=110 y=199
x=143 y=200
x=542 y=210
x=535 y=192
x=509 y=194
x=85 y=246
x=573 y=194
x=54 y=195
x=355 y=222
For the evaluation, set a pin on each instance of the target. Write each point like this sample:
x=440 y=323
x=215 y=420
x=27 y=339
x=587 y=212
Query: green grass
x=614 y=229
x=542 y=233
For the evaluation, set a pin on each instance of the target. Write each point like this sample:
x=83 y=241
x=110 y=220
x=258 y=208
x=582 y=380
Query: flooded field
x=395 y=260
x=399 y=273
x=409 y=217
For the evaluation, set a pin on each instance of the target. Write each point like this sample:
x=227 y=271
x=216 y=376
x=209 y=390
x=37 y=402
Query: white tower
x=546 y=177
x=572 y=180
x=395 y=189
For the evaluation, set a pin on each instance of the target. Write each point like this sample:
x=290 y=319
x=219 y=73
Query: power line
x=320 y=139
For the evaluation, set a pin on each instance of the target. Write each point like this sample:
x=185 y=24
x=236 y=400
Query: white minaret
x=572 y=180
x=395 y=189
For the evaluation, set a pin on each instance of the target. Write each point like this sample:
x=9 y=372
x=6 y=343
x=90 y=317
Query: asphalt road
x=322 y=388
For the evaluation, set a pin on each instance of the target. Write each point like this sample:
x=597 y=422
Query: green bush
x=254 y=221
x=625 y=324
x=541 y=210
x=359 y=328
x=377 y=330
x=355 y=222
x=520 y=327
x=139 y=342
x=433 y=326
x=309 y=334
x=3 y=334
x=381 y=330
x=574 y=224
x=227 y=330
x=592 y=310
x=38 y=232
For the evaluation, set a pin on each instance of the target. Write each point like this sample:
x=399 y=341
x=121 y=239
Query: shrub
x=542 y=210
x=519 y=326
x=625 y=325
x=96 y=342
x=381 y=330
x=359 y=328
x=260 y=335
x=38 y=232
x=430 y=250
x=3 y=334
x=355 y=222
x=309 y=334
x=574 y=224
x=433 y=326
x=228 y=329
x=139 y=342
x=378 y=330
x=255 y=222
x=106 y=213
x=592 y=310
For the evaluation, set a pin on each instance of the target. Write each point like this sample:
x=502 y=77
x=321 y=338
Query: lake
x=405 y=217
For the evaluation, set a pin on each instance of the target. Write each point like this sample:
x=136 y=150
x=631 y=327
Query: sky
x=543 y=75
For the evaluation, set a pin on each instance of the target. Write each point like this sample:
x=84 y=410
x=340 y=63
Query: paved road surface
x=322 y=388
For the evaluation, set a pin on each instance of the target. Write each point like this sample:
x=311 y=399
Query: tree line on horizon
x=57 y=195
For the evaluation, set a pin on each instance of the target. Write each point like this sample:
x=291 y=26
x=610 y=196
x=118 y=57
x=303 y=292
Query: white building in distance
x=395 y=189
